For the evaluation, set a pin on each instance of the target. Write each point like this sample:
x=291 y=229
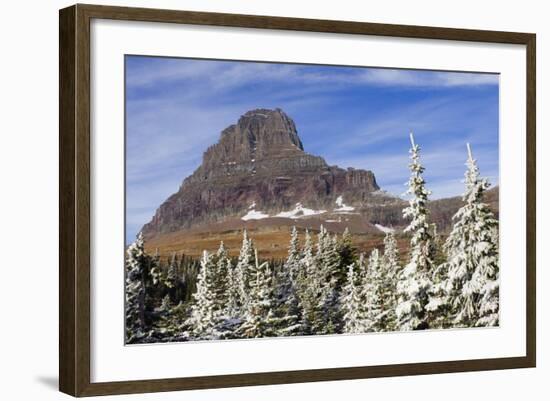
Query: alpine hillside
x=259 y=177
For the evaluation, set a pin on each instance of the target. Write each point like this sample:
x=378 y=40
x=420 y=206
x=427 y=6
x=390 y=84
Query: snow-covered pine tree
x=391 y=255
x=232 y=308
x=189 y=269
x=142 y=275
x=172 y=279
x=335 y=277
x=231 y=314
x=163 y=325
x=155 y=272
x=489 y=304
x=287 y=306
x=415 y=279
x=293 y=259
x=203 y=311
x=361 y=266
x=171 y=322
x=390 y=271
x=166 y=303
x=438 y=309
x=308 y=286
x=327 y=318
x=220 y=277
x=286 y=274
x=351 y=303
x=437 y=245
x=347 y=254
x=243 y=269
x=172 y=274
x=372 y=292
x=136 y=275
x=473 y=260
x=182 y=282
x=260 y=319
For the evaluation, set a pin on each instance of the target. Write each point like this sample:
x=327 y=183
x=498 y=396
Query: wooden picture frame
x=74 y=200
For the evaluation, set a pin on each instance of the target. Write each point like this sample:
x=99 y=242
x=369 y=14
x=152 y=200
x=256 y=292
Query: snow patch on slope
x=300 y=211
x=254 y=215
x=384 y=229
x=297 y=213
x=342 y=207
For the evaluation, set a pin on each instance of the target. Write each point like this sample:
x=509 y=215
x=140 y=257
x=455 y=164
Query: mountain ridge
x=258 y=177
x=261 y=160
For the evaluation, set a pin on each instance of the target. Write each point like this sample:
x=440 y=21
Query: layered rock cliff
x=258 y=161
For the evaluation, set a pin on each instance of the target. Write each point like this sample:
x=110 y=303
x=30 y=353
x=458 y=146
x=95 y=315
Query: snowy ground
x=254 y=215
x=342 y=207
x=299 y=211
x=384 y=229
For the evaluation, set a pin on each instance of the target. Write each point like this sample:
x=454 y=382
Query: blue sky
x=352 y=116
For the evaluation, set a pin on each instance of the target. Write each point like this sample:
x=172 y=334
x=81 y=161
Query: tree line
x=325 y=286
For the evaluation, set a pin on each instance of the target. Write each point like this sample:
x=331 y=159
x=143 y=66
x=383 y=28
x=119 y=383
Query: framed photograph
x=250 y=200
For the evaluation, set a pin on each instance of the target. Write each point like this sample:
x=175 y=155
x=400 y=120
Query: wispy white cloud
x=428 y=117
x=166 y=70
x=230 y=75
x=428 y=79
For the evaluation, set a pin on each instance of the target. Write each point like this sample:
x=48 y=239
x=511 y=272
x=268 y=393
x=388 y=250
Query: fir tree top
x=417 y=211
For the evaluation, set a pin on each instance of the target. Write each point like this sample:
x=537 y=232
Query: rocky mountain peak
x=260 y=160
x=259 y=134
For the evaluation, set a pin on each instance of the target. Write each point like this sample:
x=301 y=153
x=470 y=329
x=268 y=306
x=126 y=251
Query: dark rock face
x=259 y=160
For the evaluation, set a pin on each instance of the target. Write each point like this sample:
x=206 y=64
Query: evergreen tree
x=142 y=278
x=287 y=306
x=173 y=281
x=472 y=285
x=309 y=286
x=172 y=273
x=286 y=274
x=326 y=316
x=220 y=277
x=391 y=255
x=361 y=266
x=232 y=294
x=390 y=271
x=415 y=279
x=438 y=308
x=189 y=269
x=293 y=258
x=352 y=304
x=489 y=303
x=155 y=272
x=163 y=327
x=245 y=265
x=437 y=245
x=260 y=319
x=232 y=314
x=166 y=304
x=347 y=254
x=372 y=294
x=172 y=320
x=136 y=272
x=203 y=311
